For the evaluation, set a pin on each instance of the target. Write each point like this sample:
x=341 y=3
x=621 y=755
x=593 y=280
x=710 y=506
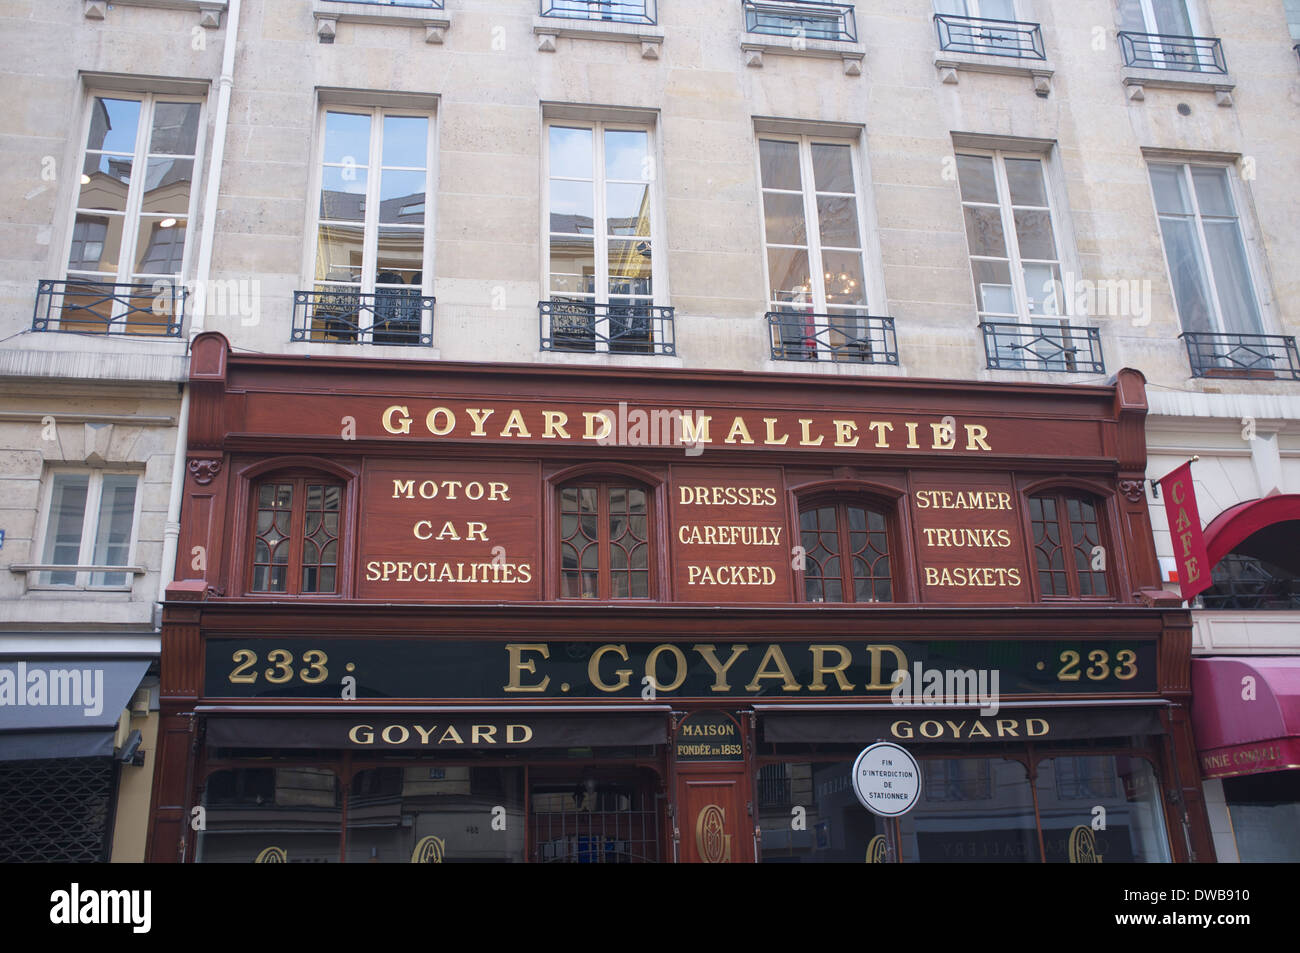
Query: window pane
x=113 y=125
x=271 y=537
x=837 y=829
x=628 y=209
x=784 y=218
x=844 y=283
x=993 y=287
x=629 y=268
x=1025 y=179
x=984 y=814
x=1170 y=189
x=1212 y=193
x=292 y=814
x=400 y=191
x=338 y=254
x=1042 y=283
x=113 y=536
x=984 y=231
x=1071 y=788
x=978 y=183
x=343 y=194
x=96 y=242
x=780 y=164
x=626 y=155
x=105 y=180
x=832 y=168
x=573 y=207
x=347 y=139
x=406 y=140
x=838 y=217
x=1232 y=278
x=175 y=129
x=573 y=266
x=401 y=256
x=1186 y=268
x=571 y=153
x=67 y=516
x=791 y=281
x=1034 y=233
x=160 y=247
x=167 y=187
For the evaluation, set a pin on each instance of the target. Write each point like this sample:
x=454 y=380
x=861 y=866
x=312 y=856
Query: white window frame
x=135 y=193
x=812 y=233
x=600 y=221
x=1018 y=6
x=38 y=579
x=1153 y=28
x=1244 y=229
x=1020 y=293
x=371 y=225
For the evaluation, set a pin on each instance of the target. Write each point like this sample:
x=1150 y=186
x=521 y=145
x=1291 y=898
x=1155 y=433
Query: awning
x=949 y=726
x=64 y=707
x=1246 y=714
x=438 y=731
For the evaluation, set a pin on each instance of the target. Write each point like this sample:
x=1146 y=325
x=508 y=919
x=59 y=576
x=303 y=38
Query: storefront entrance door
x=713 y=816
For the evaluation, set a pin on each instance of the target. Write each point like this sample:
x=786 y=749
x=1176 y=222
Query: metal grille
x=342 y=316
x=774 y=786
x=1244 y=582
x=616 y=823
x=811 y=19
x=1203 y=54
x=1043 y=347
x=56 y=811
x=636 y=328
x=993 y=37
x=615 y=11
x=83 y=306
x=1263 y=356
x=851 y=338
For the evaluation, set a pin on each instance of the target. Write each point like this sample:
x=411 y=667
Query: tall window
x=1168 y=24
x=296 y=529
x=1068 y=544
x=133 y=205
x=1014 y=256
x=600 y=236
x=1293 y=18
x=984 y=9
x=371 y=226
x=604 y=541
x=814 y=246
x=90 y=522
x=1205 y=250
x=846 y=547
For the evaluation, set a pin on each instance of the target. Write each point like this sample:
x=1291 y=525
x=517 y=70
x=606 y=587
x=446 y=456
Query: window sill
x=34 y=568
x=607 y=359
x=1137 y=81
x=209 y=11
x=548 y=29
x=330 y=13
x=832 y=368
x=755 y=46
x=950 y=63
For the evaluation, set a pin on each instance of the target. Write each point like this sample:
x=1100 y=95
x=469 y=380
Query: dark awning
x=940 y=725
x=435 y=731
x=64 y=707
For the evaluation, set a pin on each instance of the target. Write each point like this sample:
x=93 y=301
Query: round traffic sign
x=887 y=779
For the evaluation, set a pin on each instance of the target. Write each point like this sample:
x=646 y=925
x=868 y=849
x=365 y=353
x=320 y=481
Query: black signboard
x=367 y=668
x=709 y=736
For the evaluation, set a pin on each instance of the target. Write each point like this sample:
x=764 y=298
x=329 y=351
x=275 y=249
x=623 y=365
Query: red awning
x=1246 y=714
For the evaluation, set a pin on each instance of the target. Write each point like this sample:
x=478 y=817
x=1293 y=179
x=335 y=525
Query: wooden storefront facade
x=517 y=613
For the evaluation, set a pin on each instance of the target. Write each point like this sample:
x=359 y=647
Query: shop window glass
x=1072 y=789
x=590 y=819
x=1265 y=812
x=995 y=825
x=838 y=830
x=604 y=541
x=296 y=530
x=423 y=813
x=1069 y=544
x=271 y=815
x=846 y=547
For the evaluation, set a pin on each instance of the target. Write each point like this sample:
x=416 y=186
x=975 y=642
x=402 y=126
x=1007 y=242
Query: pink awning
x=1246 y=714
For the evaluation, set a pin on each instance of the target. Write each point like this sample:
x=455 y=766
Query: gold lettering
x=479 y=416
x=709 y=654
x=593 y=669
x=775 y=656
x=652 y=667
x=431 y=421
x=771 y=440
x=845 y=431
x=607 y=424
x=900 y=669
x=806 y=440
x=975 y=435
x=554 y=422
x=515 y=422
x=738 y=428
x=514 y=651
x=821 y=669
x=403 y=426
x=881 y=427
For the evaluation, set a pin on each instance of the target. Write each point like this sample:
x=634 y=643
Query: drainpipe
x=172 y=530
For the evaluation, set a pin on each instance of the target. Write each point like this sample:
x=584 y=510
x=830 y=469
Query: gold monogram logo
x=711 y=837
x=876 y=850
x=1083 y=846
x=428 y=851
x=273 y=855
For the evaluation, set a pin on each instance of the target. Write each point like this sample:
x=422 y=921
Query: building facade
x=999 y=192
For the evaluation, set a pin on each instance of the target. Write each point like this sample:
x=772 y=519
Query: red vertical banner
x=1185 y=527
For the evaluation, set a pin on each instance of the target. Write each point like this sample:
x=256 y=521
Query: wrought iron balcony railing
x=148 y=309
x=427 y=4
x=1203 y=54
x=994 y=37
x=808 y=19
x=610 y=11
x=389 y=316
x=1255 y=356
x=1043 y=347
x=846 y=338
x=631 y=328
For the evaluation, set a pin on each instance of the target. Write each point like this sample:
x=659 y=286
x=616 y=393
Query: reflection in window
x=999 y=828
x=586 y=819
x=839 y=829
x=1070 y=790
x=434 y=814
x=271 y=815
x=957 y=779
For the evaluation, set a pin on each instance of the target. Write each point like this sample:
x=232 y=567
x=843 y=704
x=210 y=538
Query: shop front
x=431 y=616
